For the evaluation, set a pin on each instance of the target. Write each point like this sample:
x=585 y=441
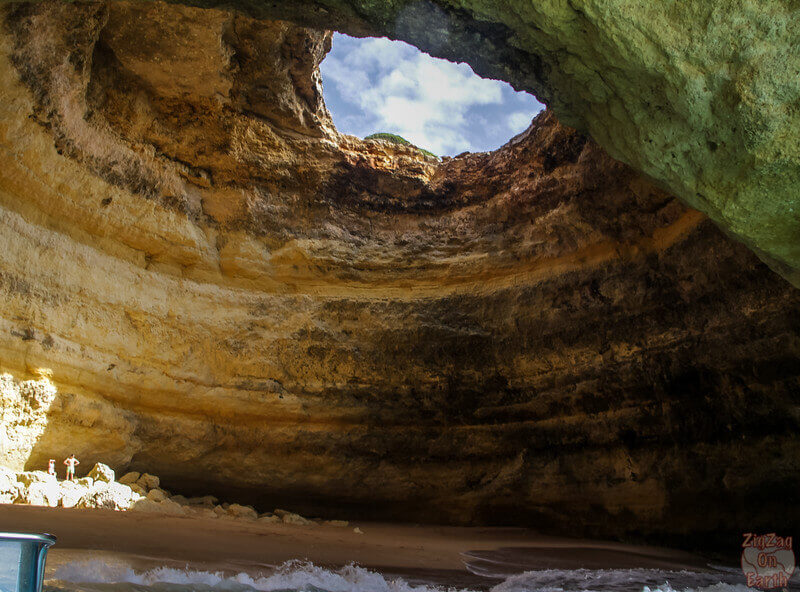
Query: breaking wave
x=296 y=576
x=291 y=576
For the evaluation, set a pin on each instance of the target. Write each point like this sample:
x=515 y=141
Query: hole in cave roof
x=376 y=85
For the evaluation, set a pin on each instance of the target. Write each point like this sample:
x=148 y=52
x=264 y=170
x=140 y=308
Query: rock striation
x=701 y=97
x=200 y=277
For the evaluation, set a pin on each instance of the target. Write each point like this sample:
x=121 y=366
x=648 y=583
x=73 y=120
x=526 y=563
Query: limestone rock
x=9 y=486
x=136 y=488
x=700 y=99
x=239 y=511
x=101 y=472
x=292 y=518
x=7 y=475
x=146 y=505
x=40 y=493
x=130 y=478
x=223 y=288
x=25 y=405
x=110 y=496
x=269 y=519
x=36 y=488
x=201 y=512
x=157 y=495
x=86 y=482
x=166 y=506
x=72 y=493
x=208 y=501
x=179 y=499
x=28 y=478
x=148 y=481
x=171 y=508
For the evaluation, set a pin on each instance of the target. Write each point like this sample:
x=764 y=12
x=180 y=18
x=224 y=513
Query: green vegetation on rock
x=394 y=138
x=389 y=138
x=700 y=95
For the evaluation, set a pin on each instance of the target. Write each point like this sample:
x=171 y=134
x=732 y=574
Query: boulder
x=10 y=495
x=111 y=496
x=269 y=518
x=86 y=482
x=171 y=508
x=101 y=472
x=6 y=473
x=179 y=499
x=200 y=512
x=148 y=481
x=130 y=478
x=40 y=493
x=239 y=511
x=28 y=478
x=167 y=507
x=136 y=488
x=71 y=493
x=9 y=486
x=296 y=519
x=209 y=501
x=145 y=505
x=207 y=513
x=157 y=495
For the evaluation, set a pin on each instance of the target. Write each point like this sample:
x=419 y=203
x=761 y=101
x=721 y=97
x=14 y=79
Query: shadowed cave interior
x=224 y=290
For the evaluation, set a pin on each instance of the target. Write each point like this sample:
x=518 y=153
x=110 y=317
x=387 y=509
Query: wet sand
x=425 y=551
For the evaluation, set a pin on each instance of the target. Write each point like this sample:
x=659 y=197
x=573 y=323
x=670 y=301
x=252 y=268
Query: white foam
x=307 y=577
x=293 y=575
x=619 y=580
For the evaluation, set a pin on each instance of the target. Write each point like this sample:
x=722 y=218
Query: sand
x=390 y=548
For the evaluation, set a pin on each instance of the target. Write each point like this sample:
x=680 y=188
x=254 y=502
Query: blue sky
x=377 y=85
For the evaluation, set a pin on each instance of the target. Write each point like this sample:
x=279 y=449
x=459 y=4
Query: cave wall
x=700 y=95
x=224 y=290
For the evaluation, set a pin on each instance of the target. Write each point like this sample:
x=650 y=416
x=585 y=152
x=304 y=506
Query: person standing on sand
x=51 y=469
x=71 y=462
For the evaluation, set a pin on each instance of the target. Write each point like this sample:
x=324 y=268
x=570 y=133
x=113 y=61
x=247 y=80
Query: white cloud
x=406 y=92
x=519 y=121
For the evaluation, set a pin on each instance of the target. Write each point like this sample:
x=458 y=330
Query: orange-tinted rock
x=228 y=293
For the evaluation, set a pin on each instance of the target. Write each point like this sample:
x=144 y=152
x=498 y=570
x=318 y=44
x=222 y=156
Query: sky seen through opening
x=376 y=85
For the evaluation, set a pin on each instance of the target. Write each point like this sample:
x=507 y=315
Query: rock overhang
x=701 y=98
x=516 y=334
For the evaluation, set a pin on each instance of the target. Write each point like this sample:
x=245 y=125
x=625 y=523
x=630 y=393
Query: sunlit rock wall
x=226 y=292
x=701 y=95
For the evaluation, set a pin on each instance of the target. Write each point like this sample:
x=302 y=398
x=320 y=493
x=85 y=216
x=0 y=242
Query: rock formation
x=700 y=96
x=214 y=285
x=99 y=490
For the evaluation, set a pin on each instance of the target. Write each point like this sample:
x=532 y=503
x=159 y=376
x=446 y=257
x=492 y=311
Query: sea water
x=101 y=575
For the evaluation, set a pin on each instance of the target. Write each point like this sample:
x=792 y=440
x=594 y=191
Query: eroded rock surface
x=224 y=290
x=702 y=95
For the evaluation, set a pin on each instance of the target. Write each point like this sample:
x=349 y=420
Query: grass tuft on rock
x=398 y=140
